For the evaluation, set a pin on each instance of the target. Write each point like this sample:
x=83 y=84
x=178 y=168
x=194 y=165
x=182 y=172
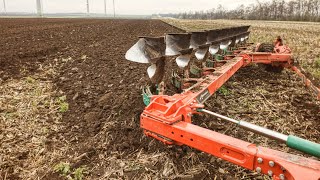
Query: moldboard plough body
x=207 y=60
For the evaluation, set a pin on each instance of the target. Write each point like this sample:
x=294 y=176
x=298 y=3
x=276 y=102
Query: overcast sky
x=136 y=7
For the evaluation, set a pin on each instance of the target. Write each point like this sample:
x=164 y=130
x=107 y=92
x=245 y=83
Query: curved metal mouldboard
x=154 y=50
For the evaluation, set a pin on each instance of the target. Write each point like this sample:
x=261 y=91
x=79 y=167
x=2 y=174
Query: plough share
x=206 y=60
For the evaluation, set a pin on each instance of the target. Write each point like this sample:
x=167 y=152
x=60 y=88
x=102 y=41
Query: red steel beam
x=271 y=162
x=218 y=78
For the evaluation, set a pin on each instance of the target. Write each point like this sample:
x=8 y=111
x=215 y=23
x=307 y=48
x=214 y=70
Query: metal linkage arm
x=218 y=78
x=276 y=164
x=291 y=141
x=307 y=82
x=284 y=60
x=268 y=58
x=221 y=74
x=170 y=109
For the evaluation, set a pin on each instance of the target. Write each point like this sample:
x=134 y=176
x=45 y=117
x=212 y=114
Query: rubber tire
x=267 y=47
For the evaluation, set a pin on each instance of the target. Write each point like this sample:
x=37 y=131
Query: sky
x=125 y=7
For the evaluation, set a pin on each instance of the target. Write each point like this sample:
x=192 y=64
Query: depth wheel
x=267 y=47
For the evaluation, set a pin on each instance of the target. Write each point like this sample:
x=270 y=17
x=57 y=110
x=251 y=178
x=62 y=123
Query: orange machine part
x=168 y=119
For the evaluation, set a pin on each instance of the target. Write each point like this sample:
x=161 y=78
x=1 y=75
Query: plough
x=207 y=60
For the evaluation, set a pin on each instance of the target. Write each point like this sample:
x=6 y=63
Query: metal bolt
x=270 y=173
x=190 y=114
x=282 y=177
x=271 y=163
x=258 y=169
x=260 y=160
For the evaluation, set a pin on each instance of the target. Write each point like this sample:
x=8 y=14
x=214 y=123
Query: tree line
x=282 y=10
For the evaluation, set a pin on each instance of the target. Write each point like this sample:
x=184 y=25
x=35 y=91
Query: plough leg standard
x=168 y=118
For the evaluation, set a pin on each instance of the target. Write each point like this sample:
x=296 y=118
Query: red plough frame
x=168 y=119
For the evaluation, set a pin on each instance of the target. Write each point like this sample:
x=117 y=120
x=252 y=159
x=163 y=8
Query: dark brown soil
x=104 y=95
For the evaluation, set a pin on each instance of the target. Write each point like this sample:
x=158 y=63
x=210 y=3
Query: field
x=70 y=102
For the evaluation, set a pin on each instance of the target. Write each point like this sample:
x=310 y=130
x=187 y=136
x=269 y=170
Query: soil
x=104 y=95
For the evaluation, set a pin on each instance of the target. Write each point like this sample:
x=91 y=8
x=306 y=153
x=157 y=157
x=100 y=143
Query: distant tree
x=286 y=10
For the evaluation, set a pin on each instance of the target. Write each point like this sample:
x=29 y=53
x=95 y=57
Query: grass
x=29 y=114
x=224 y=91
x=65 y=170
x=63 y=105
x=301 y=37
x=30 y=80
x=62 y=168
x=79 y=173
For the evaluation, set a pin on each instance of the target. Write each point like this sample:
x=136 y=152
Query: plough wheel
x=267 y=47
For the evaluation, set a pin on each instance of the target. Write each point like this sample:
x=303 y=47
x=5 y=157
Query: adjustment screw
x=282 y=177
x=260 y=160
x=258 y=169
x=270 y=173
x=271 y=163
